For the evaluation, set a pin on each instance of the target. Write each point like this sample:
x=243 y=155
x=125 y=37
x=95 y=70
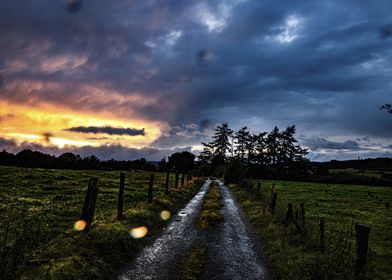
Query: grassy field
x=295 y=257
x=38 y=210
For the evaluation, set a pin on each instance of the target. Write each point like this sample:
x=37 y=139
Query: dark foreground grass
x=38 y=209
x=296 y=256
x=210 y=215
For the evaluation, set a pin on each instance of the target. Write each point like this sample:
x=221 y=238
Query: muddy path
x=233 y=250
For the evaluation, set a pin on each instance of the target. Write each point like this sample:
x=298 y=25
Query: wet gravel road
x=233 y=252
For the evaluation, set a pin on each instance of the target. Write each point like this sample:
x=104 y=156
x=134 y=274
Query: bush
x=234 y=172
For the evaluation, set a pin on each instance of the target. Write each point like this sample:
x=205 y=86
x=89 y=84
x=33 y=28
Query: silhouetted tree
x=241 y=138
x=273 y=145
x=182 y=162
x=261 y=148
x=221 y=143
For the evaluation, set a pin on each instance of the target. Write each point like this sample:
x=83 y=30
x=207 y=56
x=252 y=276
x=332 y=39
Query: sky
x=127 y=79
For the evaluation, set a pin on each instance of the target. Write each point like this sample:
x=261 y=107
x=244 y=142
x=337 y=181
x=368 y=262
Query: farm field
x=341 y=205
x=39 y=208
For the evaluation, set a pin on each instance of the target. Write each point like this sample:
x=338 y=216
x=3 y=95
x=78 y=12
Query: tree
x=241 y=137
x=273 y=145
x=221 y=143
x=207 y=154
x=261 y=148
x=182 y=162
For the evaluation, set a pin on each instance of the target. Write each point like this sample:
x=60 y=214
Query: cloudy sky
x=125 y=79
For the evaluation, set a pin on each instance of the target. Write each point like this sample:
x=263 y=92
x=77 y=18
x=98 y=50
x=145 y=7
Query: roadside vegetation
x=295 y=255
x=210 y=215
x=39 y=208
x=192 y=267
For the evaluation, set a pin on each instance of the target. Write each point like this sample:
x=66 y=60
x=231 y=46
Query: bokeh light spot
x=139 y=232
x=80 y=225
x=165 y=215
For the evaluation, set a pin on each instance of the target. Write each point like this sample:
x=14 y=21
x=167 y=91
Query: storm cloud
x=322 y=65
x=107 y=130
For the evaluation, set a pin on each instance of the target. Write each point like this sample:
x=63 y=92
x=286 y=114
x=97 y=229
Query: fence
x=294 y=216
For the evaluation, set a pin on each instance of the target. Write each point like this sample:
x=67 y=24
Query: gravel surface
x=233 y=250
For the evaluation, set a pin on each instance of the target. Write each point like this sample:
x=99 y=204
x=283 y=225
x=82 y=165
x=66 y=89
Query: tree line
x=231 y=150
x=177 y=162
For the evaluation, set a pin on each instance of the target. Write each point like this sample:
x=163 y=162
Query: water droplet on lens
x=204 y=57
x=386 y=32
x=74 y=6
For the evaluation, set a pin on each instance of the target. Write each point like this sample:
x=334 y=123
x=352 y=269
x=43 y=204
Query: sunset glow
x=47 y=124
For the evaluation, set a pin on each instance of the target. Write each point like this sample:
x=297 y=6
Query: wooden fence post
x=176 y=183
x=89 y=202
x=273 y=202
x=289 y=214
x=167 y=182
x=322 y=221
x=150 y=195
x=182 y=180
x=258 y=187
x=362 y=236
x=273 y=190
x=120 y=203
x=302 y=214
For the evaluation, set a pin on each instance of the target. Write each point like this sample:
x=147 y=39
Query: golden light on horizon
x=47 y=125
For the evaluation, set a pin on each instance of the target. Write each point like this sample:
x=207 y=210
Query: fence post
x=167 y=182
x=322 y=221
x=302 y=214
x=289 y=214
x=176 y=183
x=362 y=236
x=273 y=190
x=120 y=203
x=273 y=203
x=182 y=180
x=149 y=198
x=258 y=187
x=89 y=202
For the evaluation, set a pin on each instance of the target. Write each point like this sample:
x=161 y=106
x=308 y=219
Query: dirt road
x=233 y=251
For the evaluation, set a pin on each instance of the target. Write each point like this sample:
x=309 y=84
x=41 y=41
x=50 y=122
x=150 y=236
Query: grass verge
x=294 y=255
x=210 y=215
x=38 y=209
x=192 y=267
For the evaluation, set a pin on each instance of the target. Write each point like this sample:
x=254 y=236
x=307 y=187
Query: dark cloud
x=317 y=143
x=107 y=130
x=255 y=63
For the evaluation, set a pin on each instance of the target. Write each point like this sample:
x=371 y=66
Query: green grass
x=39 y=208
x=192 y=266
x=294 y=257
x=210 y=215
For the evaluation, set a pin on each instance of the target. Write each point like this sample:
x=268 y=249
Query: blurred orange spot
x=139 y=232
x=80 y=225
x=165 y=215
